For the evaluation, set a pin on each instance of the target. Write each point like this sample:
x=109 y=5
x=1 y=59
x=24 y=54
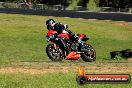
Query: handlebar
x=53 y=37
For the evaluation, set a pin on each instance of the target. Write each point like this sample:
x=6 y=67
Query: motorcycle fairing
x=66 y=35
x=83 y=37
x=50 y=32
x=73 y=55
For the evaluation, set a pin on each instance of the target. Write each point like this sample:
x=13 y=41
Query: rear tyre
x=89 y=54
x=54 y=54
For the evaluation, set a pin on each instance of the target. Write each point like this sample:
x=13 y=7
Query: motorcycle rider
x=61 y=28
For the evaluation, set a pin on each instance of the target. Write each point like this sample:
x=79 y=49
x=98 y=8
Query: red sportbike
x=65 y=46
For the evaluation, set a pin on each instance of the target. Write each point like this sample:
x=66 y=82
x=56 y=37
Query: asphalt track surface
x=72 y=14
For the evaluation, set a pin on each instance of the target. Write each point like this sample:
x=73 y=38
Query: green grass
x=22 y=39
x=56 y=80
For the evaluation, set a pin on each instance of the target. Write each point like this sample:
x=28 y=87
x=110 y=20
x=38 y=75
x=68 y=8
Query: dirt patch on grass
x=130 y=59
x=124 y=23
x=16 y=70
x=124 y=70
x=66 y=69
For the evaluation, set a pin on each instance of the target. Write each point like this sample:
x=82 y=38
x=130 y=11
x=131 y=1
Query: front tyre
x=54 y=54
x=89 y=54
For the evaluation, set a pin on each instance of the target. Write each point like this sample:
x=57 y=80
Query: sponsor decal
x=83 y=78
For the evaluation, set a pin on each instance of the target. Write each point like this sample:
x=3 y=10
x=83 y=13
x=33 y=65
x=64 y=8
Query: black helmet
x=50 y=22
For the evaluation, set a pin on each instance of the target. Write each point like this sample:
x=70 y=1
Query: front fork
x=54 y=44
x=55 y=47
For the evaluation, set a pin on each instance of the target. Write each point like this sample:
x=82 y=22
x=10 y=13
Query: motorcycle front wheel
x=55 y=54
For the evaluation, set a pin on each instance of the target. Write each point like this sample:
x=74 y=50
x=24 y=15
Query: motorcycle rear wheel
x=89 y=54
x=54 y=54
